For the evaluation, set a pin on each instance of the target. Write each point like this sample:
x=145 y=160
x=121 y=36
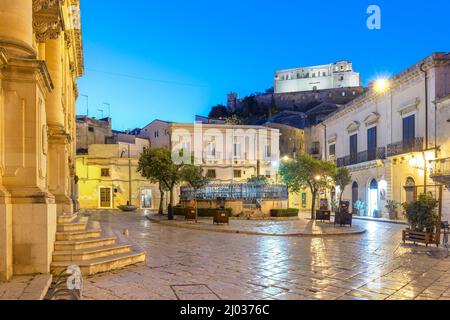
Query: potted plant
x=391 y=207
x=377 y=213
x=423 y=220
x=361 y=206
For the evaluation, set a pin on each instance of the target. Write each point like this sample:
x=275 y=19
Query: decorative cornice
x=332 y=139
x=432 y=61
x=58 y=134
x=353 y=126
x=366 y=165
x=67 y=40
x=409 y=106
x=39 y=5
x=371 y=119
x=48 y=21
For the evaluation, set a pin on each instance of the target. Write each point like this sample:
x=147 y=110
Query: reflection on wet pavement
x=208 y=265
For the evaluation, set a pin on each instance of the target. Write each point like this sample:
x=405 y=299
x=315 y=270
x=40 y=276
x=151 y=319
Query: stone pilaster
x=59 y=180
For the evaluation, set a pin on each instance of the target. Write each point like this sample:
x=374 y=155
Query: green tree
x=157 y=166
x=342 y=179
x=193 y=175
x=233 y=120
x=218 y=112
x=273 y=109
x=307 y=172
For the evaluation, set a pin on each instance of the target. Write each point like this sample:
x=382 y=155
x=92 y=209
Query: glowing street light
x=381 y=85
x=318 y=178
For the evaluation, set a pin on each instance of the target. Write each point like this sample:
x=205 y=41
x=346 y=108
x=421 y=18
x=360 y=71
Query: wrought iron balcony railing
x=360 y=157
x=235 y=191
x=440 y=171
x=401 y=147
x=440 y=167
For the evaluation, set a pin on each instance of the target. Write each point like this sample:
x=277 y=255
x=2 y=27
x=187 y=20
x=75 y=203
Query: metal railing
x=440 y=167
x=363 y=156
x=234 y=191
x=413 y=145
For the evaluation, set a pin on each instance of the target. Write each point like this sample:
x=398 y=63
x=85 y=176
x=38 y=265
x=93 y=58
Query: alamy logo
x=374 y=19
x=74 y=281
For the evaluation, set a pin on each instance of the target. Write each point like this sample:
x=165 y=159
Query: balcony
x=440 y=171
x=360 y=157
x=401 y=147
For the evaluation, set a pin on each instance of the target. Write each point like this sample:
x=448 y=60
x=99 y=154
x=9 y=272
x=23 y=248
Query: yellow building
x=104 y=172
x=41 y=58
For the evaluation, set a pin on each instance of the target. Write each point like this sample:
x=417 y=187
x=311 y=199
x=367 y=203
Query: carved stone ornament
x=47 y=19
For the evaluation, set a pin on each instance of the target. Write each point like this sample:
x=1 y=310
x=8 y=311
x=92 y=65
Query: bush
x=422 y=214
x=202 y=212
x=279 y=213
x=178 y=210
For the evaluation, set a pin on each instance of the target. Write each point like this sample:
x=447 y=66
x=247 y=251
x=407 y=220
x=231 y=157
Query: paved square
x=194 y=264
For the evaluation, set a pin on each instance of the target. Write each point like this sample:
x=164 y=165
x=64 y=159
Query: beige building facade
x=104 y=176
x=228 y=153
x=41 y=58
x=390 y=137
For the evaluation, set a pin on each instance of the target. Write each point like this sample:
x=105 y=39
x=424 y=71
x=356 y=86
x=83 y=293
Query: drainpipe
x=426 y=126
x=325 y=140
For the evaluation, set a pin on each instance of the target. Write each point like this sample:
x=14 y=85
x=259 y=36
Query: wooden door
x=105 y=197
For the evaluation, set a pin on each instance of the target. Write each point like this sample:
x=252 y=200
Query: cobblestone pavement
x=193 y=264
x=286 y=227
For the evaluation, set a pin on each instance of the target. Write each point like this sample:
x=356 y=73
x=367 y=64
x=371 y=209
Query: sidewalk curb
x=381 y=220
x=236 y=231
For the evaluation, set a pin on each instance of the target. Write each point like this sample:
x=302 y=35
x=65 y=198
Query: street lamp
x=87 y=103
x=381 y=85
x=109 y=108
x=275 y=165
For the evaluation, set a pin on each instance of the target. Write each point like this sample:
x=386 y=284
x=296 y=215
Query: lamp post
x=109 y=107
x=87 y=103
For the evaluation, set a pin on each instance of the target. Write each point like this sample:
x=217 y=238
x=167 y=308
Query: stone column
x=16 y=29
x=59 y=139
x=25 y=84
x=16 y=38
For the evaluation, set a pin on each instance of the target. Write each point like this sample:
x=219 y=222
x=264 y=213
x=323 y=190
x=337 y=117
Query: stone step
x=78 y=235
x=72 y=226
x=91 y=253
x=66 y=218
x=84 y=243
x=104 y=264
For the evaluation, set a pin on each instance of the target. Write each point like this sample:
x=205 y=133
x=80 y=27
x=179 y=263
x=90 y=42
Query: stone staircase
x=82 y=243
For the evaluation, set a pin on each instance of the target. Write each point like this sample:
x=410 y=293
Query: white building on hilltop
x=330 y=76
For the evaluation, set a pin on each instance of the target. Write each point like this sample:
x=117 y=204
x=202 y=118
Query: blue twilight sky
x=173 y=59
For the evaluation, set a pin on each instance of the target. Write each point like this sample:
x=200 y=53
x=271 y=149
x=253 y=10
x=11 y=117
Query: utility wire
x=123 y=75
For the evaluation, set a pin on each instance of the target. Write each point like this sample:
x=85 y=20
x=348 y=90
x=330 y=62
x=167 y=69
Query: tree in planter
x=193 y=175
x=157 y=165
x=422 y=215
x=342 y=179
x=391 y=207
x=307 y=172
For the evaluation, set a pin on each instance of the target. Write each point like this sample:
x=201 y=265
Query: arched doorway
x=355 y=195
x=372 y=197
x=410 y=189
